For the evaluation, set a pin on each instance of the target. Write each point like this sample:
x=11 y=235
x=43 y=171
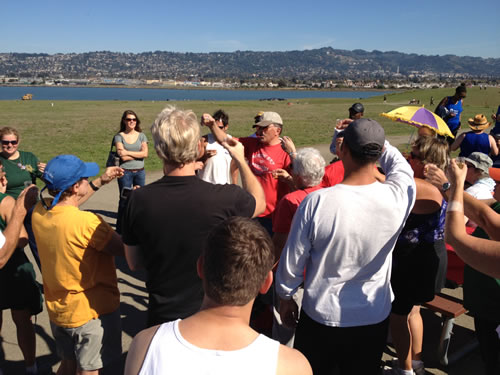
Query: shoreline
x=284 y=89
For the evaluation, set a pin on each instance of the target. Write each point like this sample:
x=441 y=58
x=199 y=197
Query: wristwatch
x=446 y=186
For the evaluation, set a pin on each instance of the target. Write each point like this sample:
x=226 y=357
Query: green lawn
x=85 y=128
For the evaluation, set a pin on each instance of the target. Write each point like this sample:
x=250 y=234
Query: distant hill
x=324 y=63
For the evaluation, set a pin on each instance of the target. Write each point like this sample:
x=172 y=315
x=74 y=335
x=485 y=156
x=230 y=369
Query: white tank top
x=217 y=169
x=170 y=353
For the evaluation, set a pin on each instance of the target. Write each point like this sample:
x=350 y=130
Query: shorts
x=413 y=279
x=19 y=289
x=93 y=345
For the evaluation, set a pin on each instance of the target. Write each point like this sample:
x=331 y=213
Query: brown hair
x=8 y=130
x=123 y=123
x=236 y=260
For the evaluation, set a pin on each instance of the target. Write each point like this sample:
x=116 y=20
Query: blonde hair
x=433 y=150
x=176 y=134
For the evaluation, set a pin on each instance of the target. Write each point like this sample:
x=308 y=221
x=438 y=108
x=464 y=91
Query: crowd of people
x=324 y=258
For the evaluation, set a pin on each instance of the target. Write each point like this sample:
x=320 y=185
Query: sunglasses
x=6 y=143
x=130 y=119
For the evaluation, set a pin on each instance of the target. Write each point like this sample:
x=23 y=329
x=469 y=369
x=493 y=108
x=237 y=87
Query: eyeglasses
x=130 y=119
x=6 y=143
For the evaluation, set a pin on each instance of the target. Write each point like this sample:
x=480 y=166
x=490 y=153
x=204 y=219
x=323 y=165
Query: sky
x=427 y=27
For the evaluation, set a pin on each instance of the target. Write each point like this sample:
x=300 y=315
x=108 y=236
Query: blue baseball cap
x=64 y=171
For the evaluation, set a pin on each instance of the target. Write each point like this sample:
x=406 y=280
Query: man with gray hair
x=167 y=222
x=264 y=155
x=343 y=237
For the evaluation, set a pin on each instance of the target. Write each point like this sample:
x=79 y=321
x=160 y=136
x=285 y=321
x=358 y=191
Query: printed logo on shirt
x=262 y=163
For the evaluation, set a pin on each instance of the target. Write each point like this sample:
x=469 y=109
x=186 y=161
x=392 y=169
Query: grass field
x=86 y=128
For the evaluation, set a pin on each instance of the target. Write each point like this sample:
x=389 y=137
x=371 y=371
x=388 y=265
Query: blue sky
x=464 y=28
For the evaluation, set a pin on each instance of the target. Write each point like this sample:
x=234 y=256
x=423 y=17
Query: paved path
x=134 y=302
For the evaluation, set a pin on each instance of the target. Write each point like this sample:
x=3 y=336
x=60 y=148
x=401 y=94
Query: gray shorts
x=93 y=345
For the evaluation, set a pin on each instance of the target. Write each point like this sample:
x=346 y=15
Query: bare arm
x=248 y=179
x=234 y=172
x=218 y=133
x=476 y=210
x=133 y=257
x=442 y=102
x=24 y=202
x=493 y=146
x=457 y=142
x=428 y=198
x=130 y=155
x=289 y=147
x=109 y=174
x=138 y=350
x=481 y=254
x=7 y=207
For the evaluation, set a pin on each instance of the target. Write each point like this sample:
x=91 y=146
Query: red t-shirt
x=334 y=174
x=283 y=215
x=263 y=159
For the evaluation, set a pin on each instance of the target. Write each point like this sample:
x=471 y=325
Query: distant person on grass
x=132 y=148
x=77 y=250
x=450 y=109
x=167 y=222
x=234 y=266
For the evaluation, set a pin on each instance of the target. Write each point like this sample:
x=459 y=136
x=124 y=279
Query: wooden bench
x=449 y=308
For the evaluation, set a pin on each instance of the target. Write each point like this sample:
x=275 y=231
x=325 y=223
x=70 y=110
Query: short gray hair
x=310 y=166
x=176 y=134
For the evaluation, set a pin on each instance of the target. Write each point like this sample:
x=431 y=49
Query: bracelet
x=455 y=206
x=291 y=154
x=95 y=188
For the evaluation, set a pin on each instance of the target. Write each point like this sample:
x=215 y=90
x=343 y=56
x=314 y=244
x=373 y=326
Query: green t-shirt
x=482 y=292
x=19 y=171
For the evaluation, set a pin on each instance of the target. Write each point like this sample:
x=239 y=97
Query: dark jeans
x=489 y=344
x=354 y=350
x=129 y=180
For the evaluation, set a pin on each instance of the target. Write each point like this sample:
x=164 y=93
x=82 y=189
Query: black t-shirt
x=170 y=220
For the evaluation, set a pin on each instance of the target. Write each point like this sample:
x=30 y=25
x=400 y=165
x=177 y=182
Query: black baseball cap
x=358 y=108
